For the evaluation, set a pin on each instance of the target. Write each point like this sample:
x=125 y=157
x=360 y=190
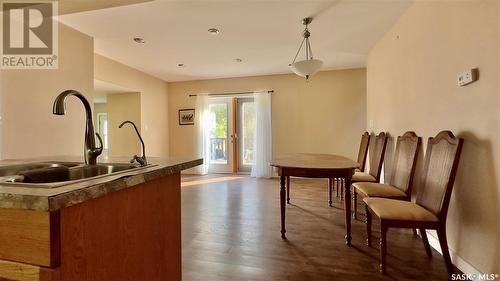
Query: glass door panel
x=246 y=134
x=220 y=132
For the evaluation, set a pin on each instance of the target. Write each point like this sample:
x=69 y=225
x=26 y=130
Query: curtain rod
x=234 y=94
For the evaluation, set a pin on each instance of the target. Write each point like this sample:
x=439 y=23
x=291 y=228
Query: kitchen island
x=123 y=226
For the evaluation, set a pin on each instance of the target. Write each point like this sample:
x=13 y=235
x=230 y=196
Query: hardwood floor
x=231 y=231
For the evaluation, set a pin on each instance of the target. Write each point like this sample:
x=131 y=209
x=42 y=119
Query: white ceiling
x=102 y=89
x=75 y=6
x=265 y=34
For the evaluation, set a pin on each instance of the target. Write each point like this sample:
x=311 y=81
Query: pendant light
x=308 y=67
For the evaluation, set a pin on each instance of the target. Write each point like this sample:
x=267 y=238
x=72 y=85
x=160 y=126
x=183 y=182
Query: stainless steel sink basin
x=10 y=175
x=83 y=172
x=13 y=170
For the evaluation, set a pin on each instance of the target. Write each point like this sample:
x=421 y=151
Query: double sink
x=12 y=174
x=54 y=174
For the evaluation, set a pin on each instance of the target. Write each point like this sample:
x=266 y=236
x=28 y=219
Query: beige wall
x=411 y=81
x=28 y=127
x=154 y=108
x=327 y=115
x=122 y=107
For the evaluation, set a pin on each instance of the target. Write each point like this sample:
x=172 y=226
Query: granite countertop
x=52 y=199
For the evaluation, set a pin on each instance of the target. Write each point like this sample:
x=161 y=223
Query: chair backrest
x=377 y=158
x=363 y=150
x=404 y=163
x=441 y=163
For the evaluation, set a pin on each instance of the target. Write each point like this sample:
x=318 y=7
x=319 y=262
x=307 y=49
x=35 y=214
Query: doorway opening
x=102 y=127
x=232 y=134
x=114 y=104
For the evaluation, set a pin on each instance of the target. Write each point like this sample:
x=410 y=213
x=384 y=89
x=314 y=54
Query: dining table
x=312 y=165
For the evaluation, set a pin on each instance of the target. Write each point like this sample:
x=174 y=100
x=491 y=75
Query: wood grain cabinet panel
x=132 y=234
x=29 y=236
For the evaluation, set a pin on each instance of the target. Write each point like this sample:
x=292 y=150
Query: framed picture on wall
x=186 y=116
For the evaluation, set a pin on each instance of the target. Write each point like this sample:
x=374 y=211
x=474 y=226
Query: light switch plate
x=468 y=77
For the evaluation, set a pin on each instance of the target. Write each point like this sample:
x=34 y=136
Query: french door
x=232 y=134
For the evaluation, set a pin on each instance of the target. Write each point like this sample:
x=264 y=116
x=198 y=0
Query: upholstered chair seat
x=398 y=210
x=372 y=189
x=363 y=177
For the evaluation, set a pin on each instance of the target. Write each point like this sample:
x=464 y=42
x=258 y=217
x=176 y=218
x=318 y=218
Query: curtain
x=202 y=125
x=263 y=137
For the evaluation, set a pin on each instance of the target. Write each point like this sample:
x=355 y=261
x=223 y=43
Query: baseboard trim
x=460 y=263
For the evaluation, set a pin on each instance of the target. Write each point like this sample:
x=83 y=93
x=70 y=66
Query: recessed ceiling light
x=238 y=60
x=213 y=31
x=139 y=40
x=180 y=65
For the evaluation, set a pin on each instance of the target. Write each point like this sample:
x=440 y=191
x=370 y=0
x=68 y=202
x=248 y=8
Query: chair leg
x=426 y=242
x=383 y=246
x=368 y=226
x=441 y=231
x=415 y=232
x=288 y=189
x=337 y=184
x=330 y=190
x=342 y=189
x=355 y=204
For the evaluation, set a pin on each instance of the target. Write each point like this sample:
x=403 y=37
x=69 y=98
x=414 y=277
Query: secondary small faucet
x=91 y=152
x=141 y=160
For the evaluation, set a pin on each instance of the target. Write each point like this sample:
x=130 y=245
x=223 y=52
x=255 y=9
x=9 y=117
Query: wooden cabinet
x=131 y=234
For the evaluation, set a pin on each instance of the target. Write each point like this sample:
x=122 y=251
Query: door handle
x=234 y=137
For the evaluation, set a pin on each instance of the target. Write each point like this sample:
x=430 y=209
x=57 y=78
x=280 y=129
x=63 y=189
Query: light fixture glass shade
x=306 y=68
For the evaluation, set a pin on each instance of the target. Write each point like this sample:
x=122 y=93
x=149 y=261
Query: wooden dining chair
x=376 y=161
x=400 y=183
x=362 y=153
x=431 y=207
